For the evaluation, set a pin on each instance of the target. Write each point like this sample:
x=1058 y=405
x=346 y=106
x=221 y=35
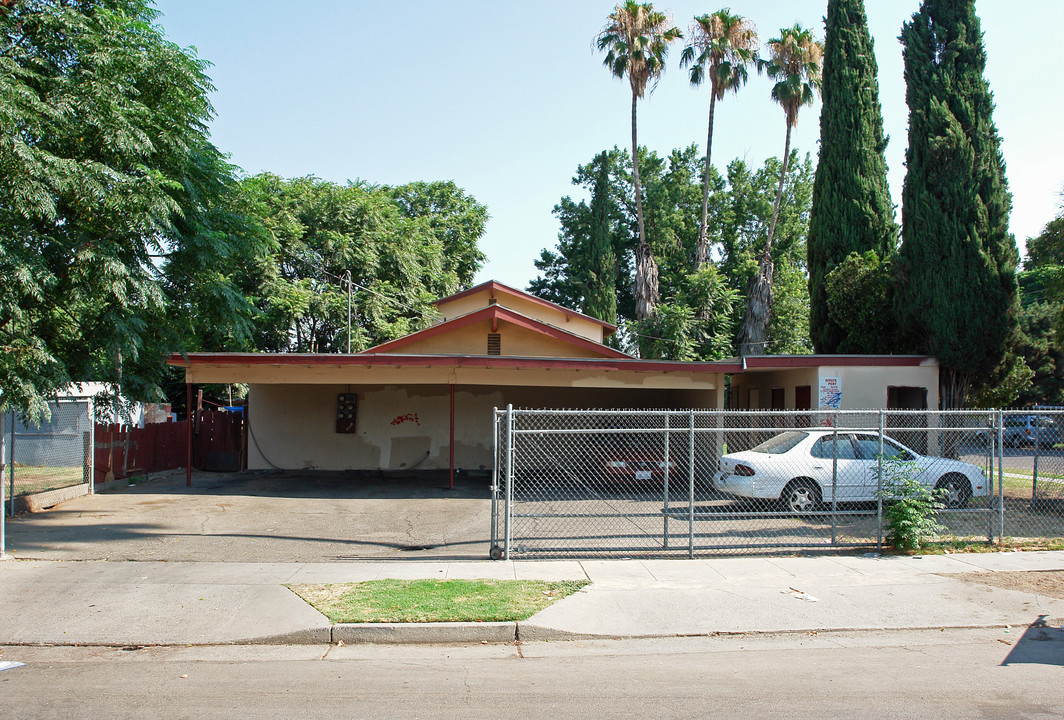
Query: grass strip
x=423 y=601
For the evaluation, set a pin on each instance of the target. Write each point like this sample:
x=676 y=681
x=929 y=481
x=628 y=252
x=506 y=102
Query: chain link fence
x=48 y=456
x=683 y=483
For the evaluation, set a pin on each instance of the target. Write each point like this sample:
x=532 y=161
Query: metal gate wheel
x=495 y=553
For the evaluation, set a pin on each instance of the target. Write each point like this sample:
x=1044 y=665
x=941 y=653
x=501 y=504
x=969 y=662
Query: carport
x=396 y=412
x=424 y=401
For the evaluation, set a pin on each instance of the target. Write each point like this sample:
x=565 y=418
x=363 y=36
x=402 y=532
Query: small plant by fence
x=683 y=483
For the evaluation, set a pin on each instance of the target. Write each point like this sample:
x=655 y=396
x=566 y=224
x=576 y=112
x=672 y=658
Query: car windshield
x=781 y=443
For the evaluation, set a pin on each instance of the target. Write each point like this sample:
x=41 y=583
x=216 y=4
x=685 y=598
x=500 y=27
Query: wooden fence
x=217 y=444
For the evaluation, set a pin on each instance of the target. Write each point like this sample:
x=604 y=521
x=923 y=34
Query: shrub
x=910 y=507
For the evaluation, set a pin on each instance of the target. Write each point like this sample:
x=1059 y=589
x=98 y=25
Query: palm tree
x=795 y=64
x=722 y=45
x=636 y=40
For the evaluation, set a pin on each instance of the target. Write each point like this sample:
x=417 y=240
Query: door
x=837 y=468
x=868 y=451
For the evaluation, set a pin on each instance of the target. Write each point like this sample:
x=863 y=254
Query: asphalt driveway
x=295 y=517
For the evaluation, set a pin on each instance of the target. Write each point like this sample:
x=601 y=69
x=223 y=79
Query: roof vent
x=494 y=344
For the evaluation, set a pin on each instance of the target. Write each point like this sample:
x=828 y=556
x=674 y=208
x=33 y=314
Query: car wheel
x=801 y=496
x=954 y=490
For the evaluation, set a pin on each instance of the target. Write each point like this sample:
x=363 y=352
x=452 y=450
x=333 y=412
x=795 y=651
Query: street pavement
x=204 y=603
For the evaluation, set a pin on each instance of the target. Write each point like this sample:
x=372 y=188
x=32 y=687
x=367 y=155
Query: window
x=826 y=447
x=781 y=443
x=894 y=451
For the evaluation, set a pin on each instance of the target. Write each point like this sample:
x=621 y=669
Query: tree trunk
x=754 y=330
x=953 y=388
x=779 y=191
x=702 y=246
x=646 y=270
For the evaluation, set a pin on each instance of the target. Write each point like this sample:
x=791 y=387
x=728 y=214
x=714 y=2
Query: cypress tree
x=852 y=209
x=601 y=298
x=957 y=287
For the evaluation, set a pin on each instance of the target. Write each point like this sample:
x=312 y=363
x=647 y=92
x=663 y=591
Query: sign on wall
x=830 y=393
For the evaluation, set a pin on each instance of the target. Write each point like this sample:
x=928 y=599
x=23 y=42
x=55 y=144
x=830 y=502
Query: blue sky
x=506 y=99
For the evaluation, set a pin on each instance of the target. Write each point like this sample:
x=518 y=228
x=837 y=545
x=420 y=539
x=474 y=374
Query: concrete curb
x=445 y=632
x=458 y=633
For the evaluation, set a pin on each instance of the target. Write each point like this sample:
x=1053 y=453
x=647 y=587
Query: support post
x=665 y=528
x=835 y=483
x=188 y=449
x=494 y=480
x=348 y=312
x=509 y=478
x=451 y=486
x=1034 y=475
x=8 y=457
x=1001 y=477
x=92 y=446
x=11 y=468
x=879 y=488
x=691 y=484
x=1000 y=435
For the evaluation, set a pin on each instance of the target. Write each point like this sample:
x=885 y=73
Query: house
x=840 y=382
x=425 y=400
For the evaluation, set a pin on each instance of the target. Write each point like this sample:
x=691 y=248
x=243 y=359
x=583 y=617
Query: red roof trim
x=773 y=362
x=495 y=313
x=468 y=361
x=493 y=286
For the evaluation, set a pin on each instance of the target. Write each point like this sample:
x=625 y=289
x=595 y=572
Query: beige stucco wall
x=568 y=321
x=400 y=427
x=862 y=387
x=515 y=342
x=763 y=382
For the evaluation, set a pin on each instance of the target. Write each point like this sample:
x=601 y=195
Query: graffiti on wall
x=409 y=417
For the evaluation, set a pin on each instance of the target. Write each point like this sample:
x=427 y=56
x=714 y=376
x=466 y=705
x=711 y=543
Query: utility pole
x=348 y=312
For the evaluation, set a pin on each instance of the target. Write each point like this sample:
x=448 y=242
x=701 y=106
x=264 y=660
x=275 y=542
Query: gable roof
x=494 y=288
x=495 y=313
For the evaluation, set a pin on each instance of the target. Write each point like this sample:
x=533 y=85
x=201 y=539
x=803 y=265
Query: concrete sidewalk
x=177 y=603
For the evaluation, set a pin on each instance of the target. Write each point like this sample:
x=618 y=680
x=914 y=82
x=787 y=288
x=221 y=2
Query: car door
x=868 y=452
x=836 y=466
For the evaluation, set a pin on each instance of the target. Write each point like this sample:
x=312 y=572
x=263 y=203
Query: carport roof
x=397 y=360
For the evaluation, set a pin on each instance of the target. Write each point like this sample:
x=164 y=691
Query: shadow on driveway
x=289 y=517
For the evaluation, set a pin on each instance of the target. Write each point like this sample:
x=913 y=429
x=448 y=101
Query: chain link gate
x=668 y=483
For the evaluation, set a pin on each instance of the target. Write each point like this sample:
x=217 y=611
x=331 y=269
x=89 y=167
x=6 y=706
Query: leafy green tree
x=957 y=283
x=636 y=40
x=577 y=274
x=741 y=211
x=852 y=209
x=404 y=248
x=455 y=218
x=795 y=64
x=602 y=259
x=107 y=175
x=722 y=46
x=860 y=304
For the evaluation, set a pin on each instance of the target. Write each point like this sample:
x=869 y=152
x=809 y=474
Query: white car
x=797 y=467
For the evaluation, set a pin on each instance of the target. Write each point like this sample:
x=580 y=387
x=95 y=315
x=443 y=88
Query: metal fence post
x=665 y=515
x=11 y=465
x=1001 y=480
x=835 y=483
x=494 y=480
x=5 y=457
x=879 y=487
x=691 y=485
x=509 y=478
x=1034 y=476
x=92 y=445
